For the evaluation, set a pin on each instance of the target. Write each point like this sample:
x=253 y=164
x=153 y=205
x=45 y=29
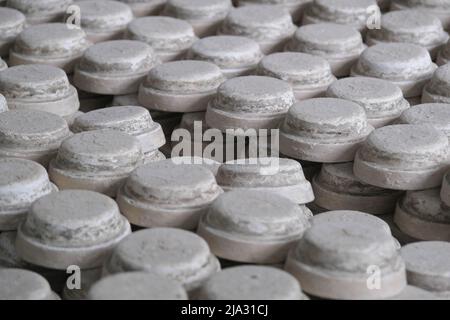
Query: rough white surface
x=332 y=258
x=262 y=23
x=351 y=12
x=253 y=226
x=52 y=40
x=73 y=218
x=437 y=89
x=403 y=157
x=28 y=131
x=327 y=40
x=379 y=98
x=251 y=283
x=176 y=254
x=428 y=265
x=100 y=151
x=163 y=34
x=173 y=185
x=298 y=69
x=435 y=114
x=21 y=183
x=41 y=11
x=396 y=62
x=137 y=286
x=104 y=16
x=326 y=118
x=71 y=227
x=18 y=284
x=281 y=176
x=118 y=57
x=34 y=83
x=421 y=215
x=337 y=188
x=195 y=10
x=186 y=76
x=410 y=26
x=227 y=51
x=254 y=94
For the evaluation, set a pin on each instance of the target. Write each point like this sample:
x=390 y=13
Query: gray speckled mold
x=18 y=284
x=280 y=176
x=252 y=283
x=324 y=130
x=104 y=20
x=270 y=26
x=403 y=157
x=54 y=44
x=180 y=86
x=3 y=104
x=166 y=194
x=97 y=160
x=173 y=253
x=143 y=8
x=428 y=266
x=253 y=227
x=12 y=23
x=437 y=89
x=410 y=26
x=250 y=102
x=169 y=37
x=333 y=257
x=137 y=286
x=72 y=227
x=133 y=120
x=21 y=183
x=421 y=215
x=204 y=15
x=41 y=11
x=435 y=114
x=31 y=134
x=445 y=190
x=39 y=87
x=308 y=75
x=337 y=188
x=382 y=100
x=295 y=7
x=347 y=12
x=235 y=55
x=114 y=67
x=167 y=120
x=340 y=45
x=407 y=65
x=438 y=8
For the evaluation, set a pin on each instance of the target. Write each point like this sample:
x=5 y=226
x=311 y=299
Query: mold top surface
x=137 y=286
x=227 y=51
x=258 y=214
x=34 y=81
x=185 y=76
x=252 y=283
x=121 y=56
x=255 y=94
